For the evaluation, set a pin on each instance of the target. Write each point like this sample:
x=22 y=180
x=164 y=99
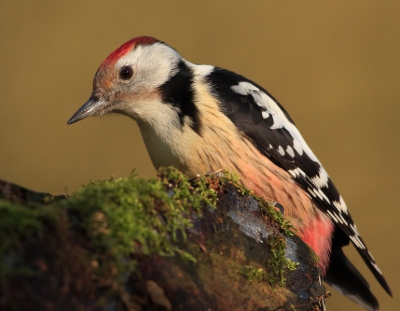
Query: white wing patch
x=297 y=172
x=321 y=180
x=270 y=108
x=263 y=101
x=338 y=218
x=341 y=206
x=297 y=147
x=332 y=216
x=290 y=151
x=356 y=240
x=324 y=196
x=265 y=114
x=280 y=120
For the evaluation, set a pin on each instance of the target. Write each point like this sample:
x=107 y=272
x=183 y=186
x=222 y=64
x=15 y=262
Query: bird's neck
x=193 y=152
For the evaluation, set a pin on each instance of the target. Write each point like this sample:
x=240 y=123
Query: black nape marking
x=179 y=92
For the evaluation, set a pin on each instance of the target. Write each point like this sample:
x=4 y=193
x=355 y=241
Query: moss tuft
x=254 y=274
x=234 y=179
x=277 y=263
x=283 y=224
x=135 y=215
x=266 y=207
x=18 y=224
x=117 y=218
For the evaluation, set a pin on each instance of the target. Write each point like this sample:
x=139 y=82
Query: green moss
x=127 y=215
x=234 y=179
x=275 y=266
x=277 y=262
x=192 y=193
x=254 y=274
x=283 y=224
x=266 y=207
x=119 y=217
x=18 y=224
x=116 y=217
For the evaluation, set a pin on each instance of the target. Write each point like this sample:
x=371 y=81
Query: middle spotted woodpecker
x=201 y=118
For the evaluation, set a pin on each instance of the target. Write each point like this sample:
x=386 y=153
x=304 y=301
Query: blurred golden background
x=333 y=65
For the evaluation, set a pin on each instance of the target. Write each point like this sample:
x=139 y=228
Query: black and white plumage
x=201 y=118
x=260 y=116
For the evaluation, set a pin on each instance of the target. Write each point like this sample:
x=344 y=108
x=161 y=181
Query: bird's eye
x=126 y=73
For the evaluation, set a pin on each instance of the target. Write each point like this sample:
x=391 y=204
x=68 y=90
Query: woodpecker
x=201 y=118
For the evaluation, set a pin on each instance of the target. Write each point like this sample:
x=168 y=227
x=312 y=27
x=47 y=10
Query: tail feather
x=345 y=278
x=370 y=262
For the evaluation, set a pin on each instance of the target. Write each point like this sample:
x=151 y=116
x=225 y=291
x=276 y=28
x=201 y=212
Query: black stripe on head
x=179 y=92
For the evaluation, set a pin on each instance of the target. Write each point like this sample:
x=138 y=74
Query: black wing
x=259 y=115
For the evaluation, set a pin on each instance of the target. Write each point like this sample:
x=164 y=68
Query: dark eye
x=126 y=73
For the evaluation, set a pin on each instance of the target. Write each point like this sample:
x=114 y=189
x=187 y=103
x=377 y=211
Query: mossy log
x=161 y=244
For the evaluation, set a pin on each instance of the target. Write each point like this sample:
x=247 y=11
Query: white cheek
x=155 y=64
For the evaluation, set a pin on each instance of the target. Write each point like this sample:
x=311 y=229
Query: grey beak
x=90 y=108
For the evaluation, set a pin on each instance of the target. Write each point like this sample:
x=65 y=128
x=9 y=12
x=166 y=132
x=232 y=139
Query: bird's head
x=129 y=80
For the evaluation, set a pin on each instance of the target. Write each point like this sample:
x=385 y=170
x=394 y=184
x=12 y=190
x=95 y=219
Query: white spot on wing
x=341 y=205
x=355 y=239
x=324 y=196
x=297 y=147
x=317 y=193
x=332 y=215
x=280 y=119
x=290 y=151
x=271 y=108
x=321 y=180
x=297 y=172
x=342 y=219
x=354 y=228
x=243 y=88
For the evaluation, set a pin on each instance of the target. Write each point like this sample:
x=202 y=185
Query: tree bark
x=58 y=253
